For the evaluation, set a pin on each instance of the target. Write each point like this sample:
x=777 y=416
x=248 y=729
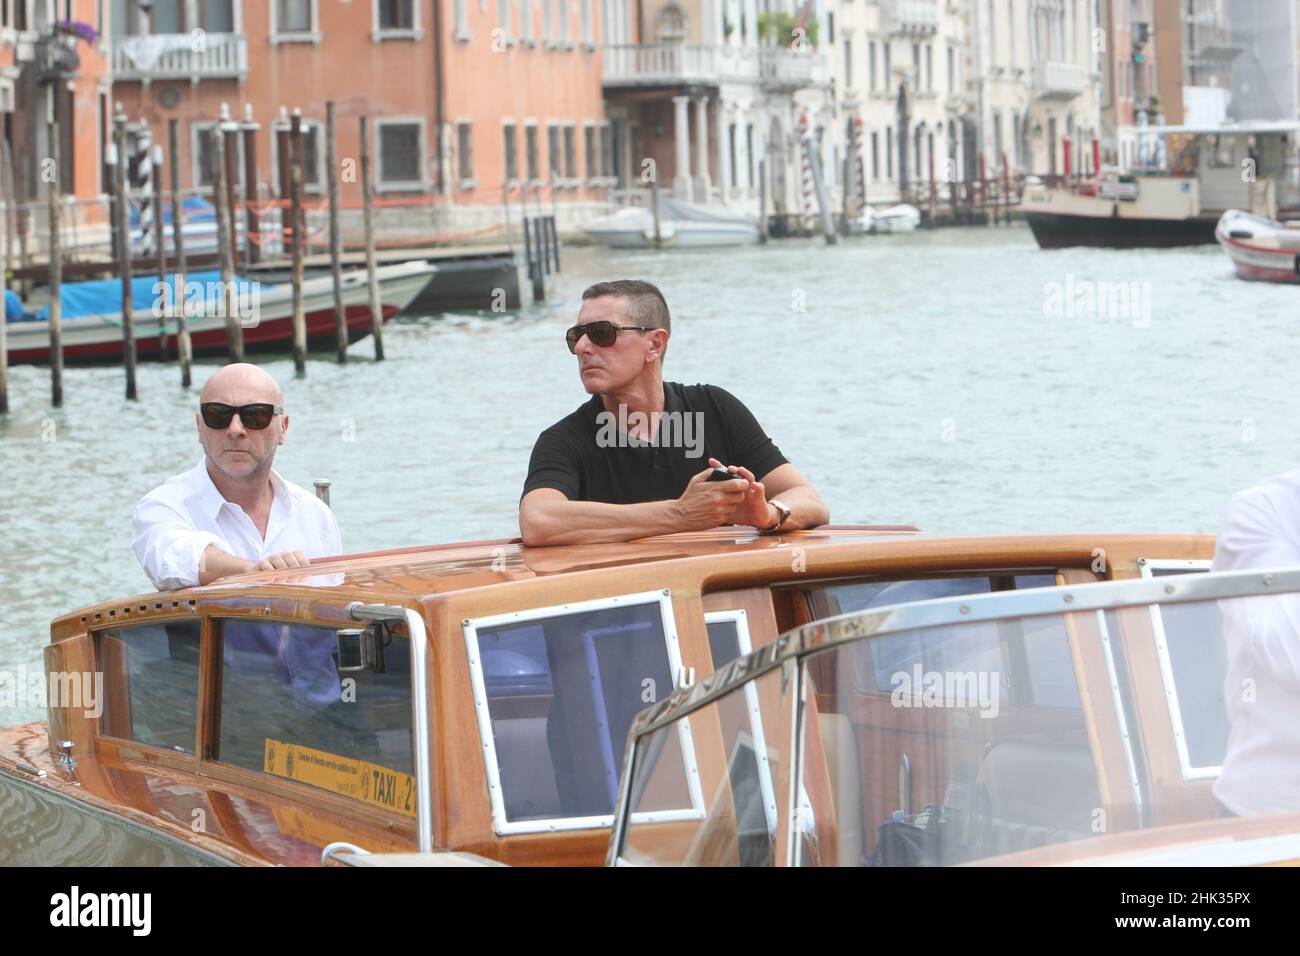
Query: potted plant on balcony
x=778 y=29
x=76 y=30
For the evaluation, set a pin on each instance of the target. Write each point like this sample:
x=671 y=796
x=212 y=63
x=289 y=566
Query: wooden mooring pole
x=372 y=263
x=184 y=349
x=230 y=152
x=156 y=159
x=122 y=220
x=225 y=245
x=336 y=239
x=252 y=220
x=295 y=215
x=56 y=262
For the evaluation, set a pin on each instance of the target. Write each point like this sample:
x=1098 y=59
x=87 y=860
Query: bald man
x=232 y=513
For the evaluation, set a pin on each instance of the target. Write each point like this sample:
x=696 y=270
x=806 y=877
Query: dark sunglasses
x=602 y=333
x=255 y=417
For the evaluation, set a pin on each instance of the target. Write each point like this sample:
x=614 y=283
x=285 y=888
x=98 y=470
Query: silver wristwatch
x=782 y=516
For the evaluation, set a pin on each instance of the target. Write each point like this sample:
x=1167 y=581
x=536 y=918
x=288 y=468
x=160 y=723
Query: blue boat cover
x=104 y=296
x=14 y=308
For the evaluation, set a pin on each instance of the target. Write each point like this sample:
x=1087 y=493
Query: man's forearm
x=807 y=509
x=596 y=522
x=216 y=564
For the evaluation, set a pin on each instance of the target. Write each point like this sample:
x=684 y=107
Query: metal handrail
x=939 y=612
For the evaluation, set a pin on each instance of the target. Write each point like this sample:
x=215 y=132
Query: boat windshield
x=1121 y=722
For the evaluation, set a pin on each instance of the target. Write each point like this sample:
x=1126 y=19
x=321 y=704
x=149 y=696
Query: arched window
x=670 y=27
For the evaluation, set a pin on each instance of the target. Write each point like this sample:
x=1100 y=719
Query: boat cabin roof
x=411 y=574
x=1246 y=128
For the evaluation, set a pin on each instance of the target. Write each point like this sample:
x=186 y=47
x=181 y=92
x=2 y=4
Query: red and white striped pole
x=806 y=177
x=859 y=170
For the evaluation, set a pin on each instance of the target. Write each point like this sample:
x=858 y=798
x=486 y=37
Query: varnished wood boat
x=493 y=687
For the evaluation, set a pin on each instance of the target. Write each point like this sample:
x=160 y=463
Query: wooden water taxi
x=472 y=703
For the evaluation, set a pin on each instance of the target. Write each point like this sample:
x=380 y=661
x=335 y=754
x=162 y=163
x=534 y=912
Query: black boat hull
x=1057 y=231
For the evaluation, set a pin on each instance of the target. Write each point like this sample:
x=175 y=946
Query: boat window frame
x=501 y=825
x=175 y=758
x=765 y=779
x=1146 y=569
x=207 y=715
x=417 y=632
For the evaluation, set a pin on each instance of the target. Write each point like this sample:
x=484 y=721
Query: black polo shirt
x=588 y=456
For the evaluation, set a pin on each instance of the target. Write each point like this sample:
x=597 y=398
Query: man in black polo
x=635 y=459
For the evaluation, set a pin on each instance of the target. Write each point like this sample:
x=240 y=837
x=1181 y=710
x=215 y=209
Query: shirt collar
x=212 y=499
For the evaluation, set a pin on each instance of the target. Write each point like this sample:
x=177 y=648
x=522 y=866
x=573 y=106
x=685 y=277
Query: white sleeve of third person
x=1252 y=537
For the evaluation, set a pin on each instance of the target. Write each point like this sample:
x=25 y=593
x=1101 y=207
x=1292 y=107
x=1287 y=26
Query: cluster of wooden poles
x=223 y=153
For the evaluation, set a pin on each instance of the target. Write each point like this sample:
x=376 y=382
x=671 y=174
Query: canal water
x=962 y=380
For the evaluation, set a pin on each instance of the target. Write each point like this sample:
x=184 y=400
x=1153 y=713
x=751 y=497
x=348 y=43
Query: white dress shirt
x=1260 y=528
x=175 y=523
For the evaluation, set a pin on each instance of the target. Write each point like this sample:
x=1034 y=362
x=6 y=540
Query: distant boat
x=1190 y=176
x=900 y=218
x=681 y=224
x=1261 y=249
x=92 y=322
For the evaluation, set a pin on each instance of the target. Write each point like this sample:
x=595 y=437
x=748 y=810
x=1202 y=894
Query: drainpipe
x=439 y=92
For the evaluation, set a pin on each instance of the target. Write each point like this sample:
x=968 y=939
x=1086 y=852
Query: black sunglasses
x=255 y=416
x=602 y=333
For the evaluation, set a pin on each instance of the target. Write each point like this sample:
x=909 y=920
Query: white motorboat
x=92 y=321
x=681 y=224
x=900 y=218
x=1261 y=249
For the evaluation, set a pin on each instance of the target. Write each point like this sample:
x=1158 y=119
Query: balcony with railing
x=660 y=64
x=782 y=69
x=182 y=56
x=1058 y=80
x=909 y=17
x=684 y=64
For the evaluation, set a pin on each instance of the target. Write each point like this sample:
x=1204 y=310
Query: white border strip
x=1117 y=701
x=1147 y=566
x=500 y=823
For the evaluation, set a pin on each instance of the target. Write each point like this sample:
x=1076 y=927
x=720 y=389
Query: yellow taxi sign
x=368 y=782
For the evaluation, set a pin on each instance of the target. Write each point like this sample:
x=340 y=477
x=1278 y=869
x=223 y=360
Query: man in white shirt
x=1260 y=528
x=232 y=513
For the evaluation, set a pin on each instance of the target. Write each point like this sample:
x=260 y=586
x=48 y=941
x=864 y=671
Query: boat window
x=749 y=770
x=973 y=767
x=737 y=827
x=1036 y=667
x=728 y=636
x=151 y=683
x=1192 y=663
x=1220 y=151
x=556 y=690
x=299 y=702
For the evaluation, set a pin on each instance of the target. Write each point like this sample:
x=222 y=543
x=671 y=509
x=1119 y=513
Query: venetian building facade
x=1037 y=78
x=48 y=67
x=904 y=70
x=706 y=96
